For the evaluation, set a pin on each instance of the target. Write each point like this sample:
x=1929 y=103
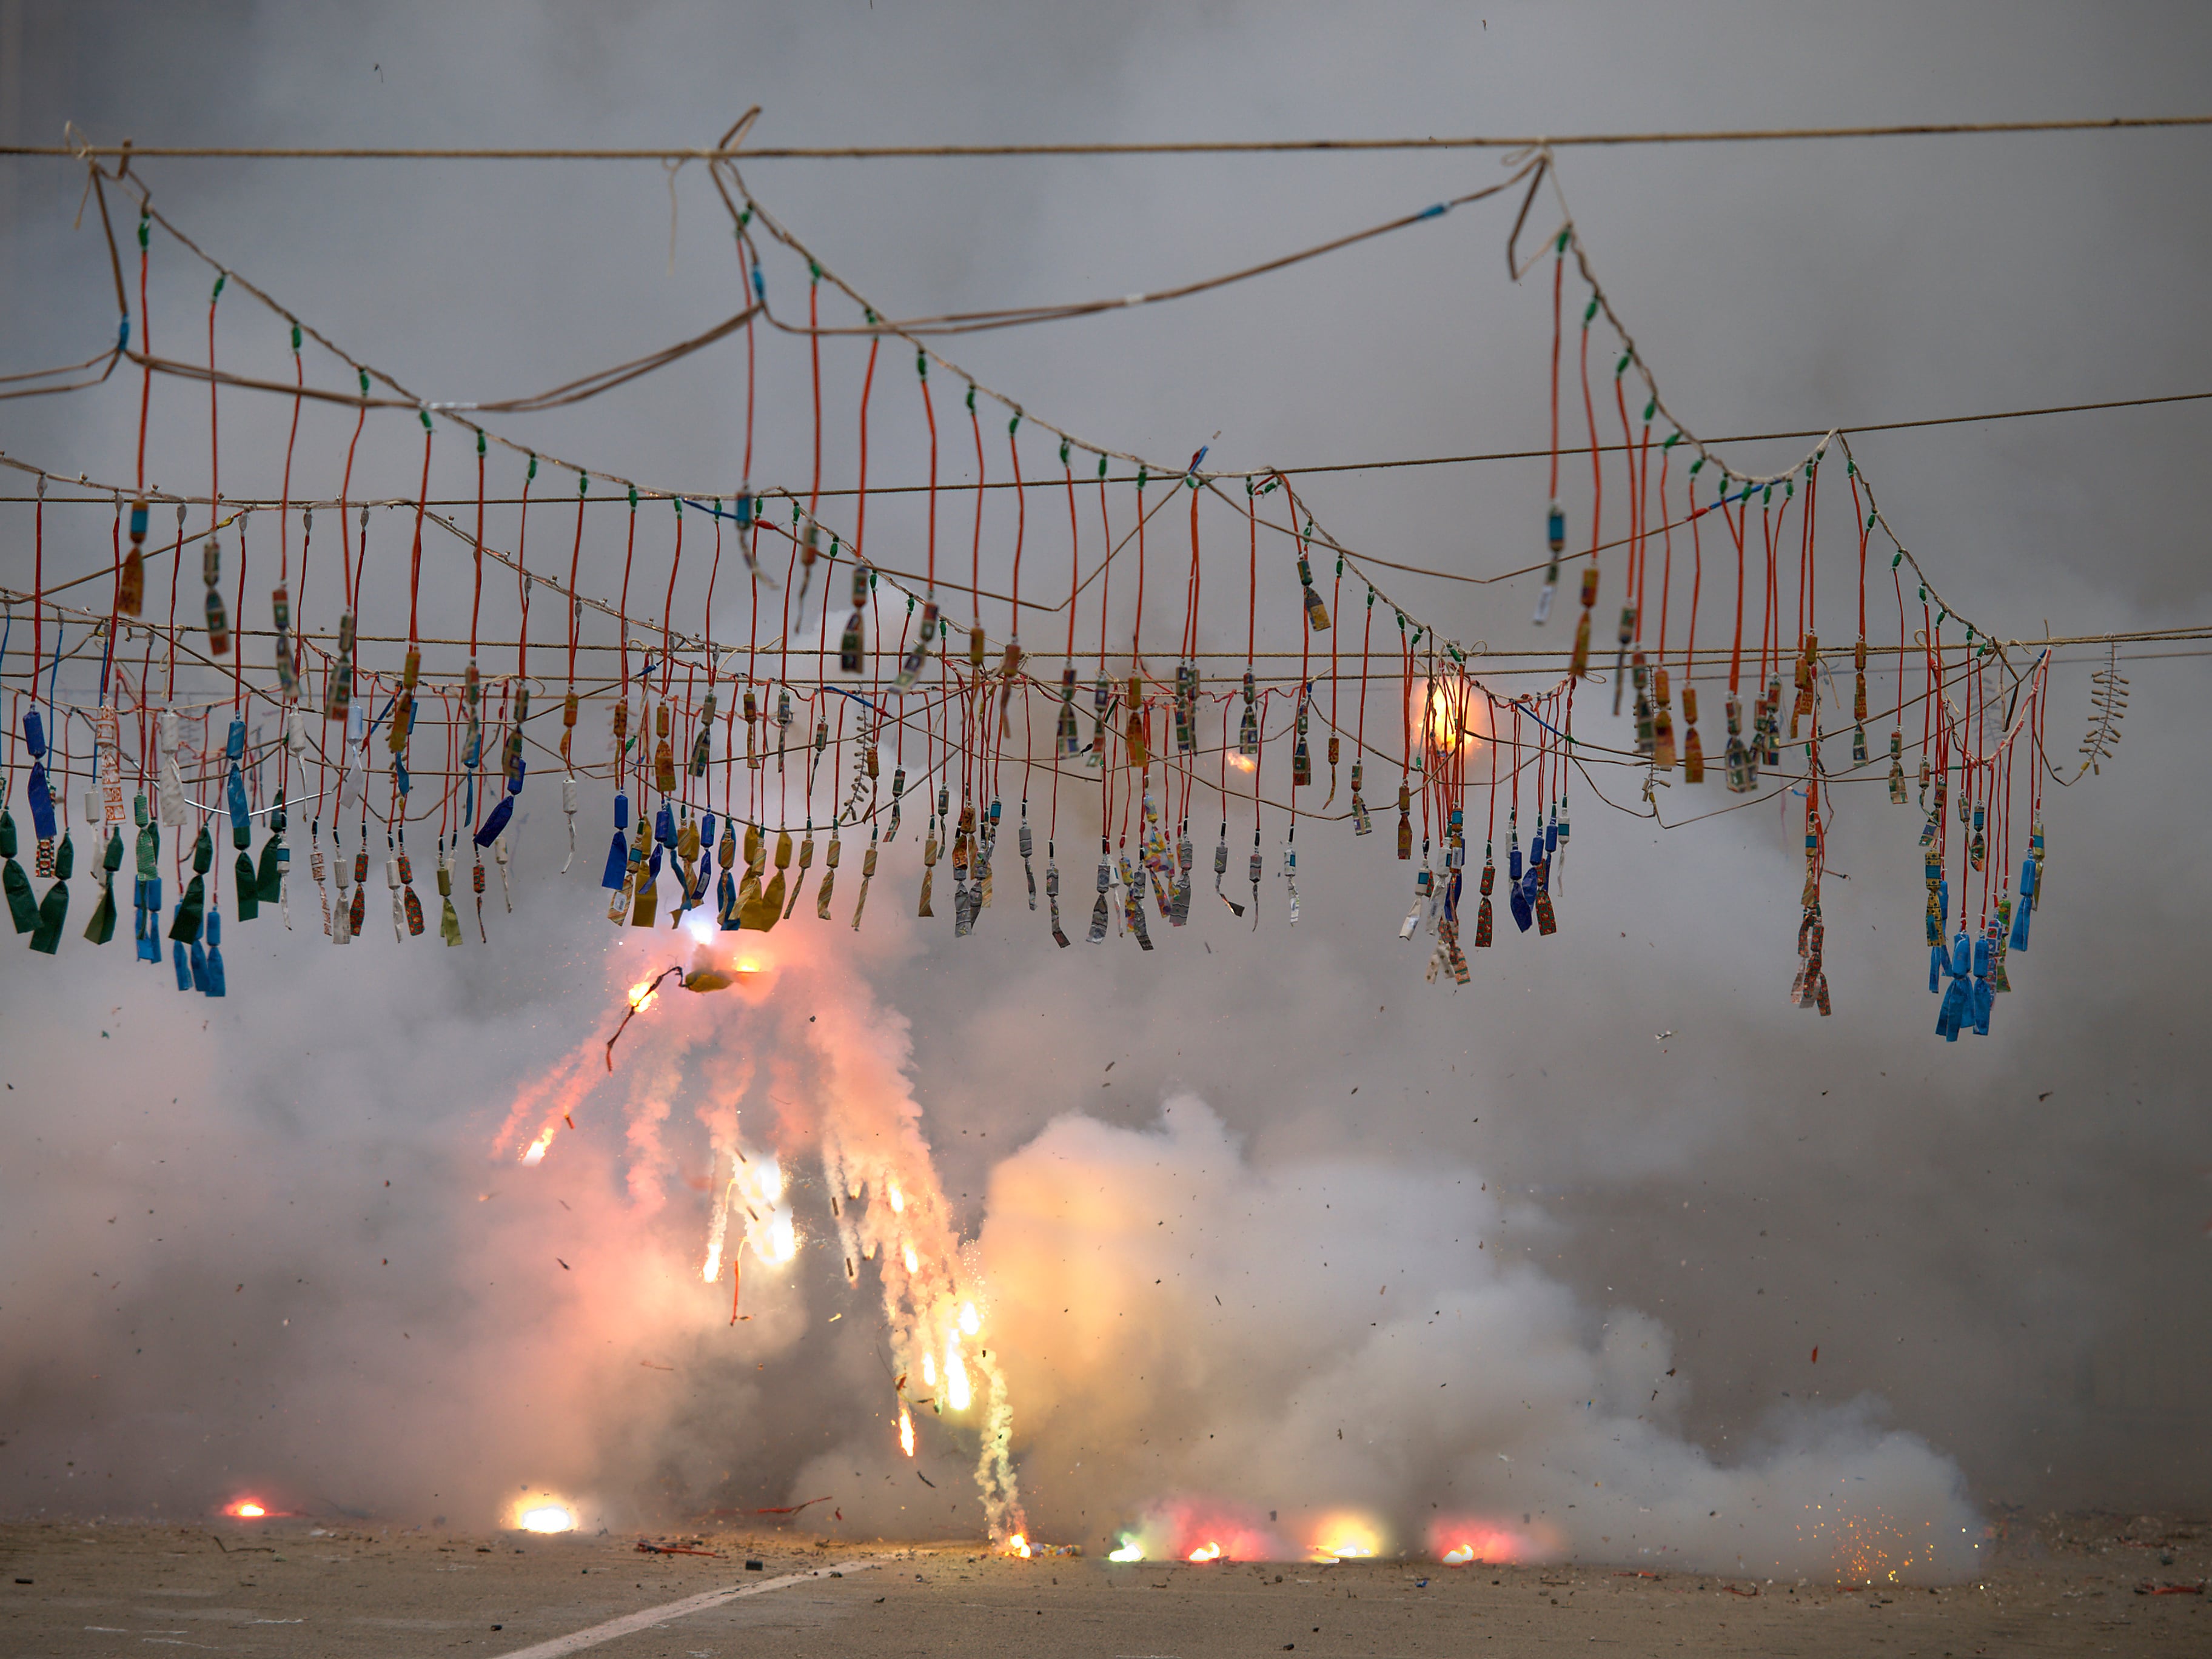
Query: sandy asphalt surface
x=2058 y=1584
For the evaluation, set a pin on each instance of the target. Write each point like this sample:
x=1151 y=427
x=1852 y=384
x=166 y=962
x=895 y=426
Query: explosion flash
x=1450 y=712
x=1457 y=1540
x=841 y=1068
x=1346 y=1537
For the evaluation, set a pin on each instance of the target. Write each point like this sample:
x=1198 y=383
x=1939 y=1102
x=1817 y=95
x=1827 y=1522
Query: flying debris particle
x=565 y=1267
x=2045 y=1095
x=1816 y=1354
x=795 y=1508
x=924 y=1480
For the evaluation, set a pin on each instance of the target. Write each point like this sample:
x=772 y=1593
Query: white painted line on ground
x=629 y=1623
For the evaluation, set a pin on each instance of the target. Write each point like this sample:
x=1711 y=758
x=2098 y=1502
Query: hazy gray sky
x=1999 y=1239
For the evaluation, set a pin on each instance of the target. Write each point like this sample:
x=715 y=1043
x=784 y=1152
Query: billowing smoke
x=1335 y=1355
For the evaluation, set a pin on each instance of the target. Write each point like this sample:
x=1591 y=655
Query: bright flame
x=1456 y=716
x=956 y=1377
x=245 y=1509
x=1242 y=763
x=1020 y=1545
x=969 y=1324
x=897 y=1199
x=1347 y=1537
x=913 y=1262
x=548 y=1518
x=1457 y=1540
x=642 y=996
x=536 y=1153
x=782 y=1239
x=906 y=1432
x=1131 y=1550
x=928 y=1370
x=1207 y=1552
x=755 y=1187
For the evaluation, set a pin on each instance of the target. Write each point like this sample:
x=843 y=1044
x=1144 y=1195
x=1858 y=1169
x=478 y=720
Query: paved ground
x=2064 y=1584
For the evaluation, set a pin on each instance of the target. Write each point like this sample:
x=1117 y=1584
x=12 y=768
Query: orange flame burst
x=1456 y=715
x=1455 y=1540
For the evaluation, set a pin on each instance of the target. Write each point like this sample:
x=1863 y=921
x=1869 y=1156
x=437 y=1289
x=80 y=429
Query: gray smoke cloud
x=1988 y=1239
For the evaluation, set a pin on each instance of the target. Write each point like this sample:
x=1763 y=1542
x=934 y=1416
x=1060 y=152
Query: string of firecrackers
x=1417 y=636
x=1541 y=165
x=1210 y=481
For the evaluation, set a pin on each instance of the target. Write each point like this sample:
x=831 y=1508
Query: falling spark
x=864 y=1123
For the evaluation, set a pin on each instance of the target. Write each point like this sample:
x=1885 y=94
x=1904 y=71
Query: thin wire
x=1202 y=147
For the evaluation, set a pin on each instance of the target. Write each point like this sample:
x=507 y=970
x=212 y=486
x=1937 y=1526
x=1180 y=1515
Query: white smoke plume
x=1334 y=1355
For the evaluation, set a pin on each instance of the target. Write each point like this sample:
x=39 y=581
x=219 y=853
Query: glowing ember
x=1207 y=1552
x=1131 y=1550
x=548 y=1518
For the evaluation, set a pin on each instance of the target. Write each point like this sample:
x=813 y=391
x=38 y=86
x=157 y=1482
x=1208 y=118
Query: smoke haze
x=1637 y=1159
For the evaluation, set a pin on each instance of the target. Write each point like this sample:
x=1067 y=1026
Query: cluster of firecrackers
x=727 y=828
